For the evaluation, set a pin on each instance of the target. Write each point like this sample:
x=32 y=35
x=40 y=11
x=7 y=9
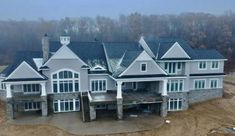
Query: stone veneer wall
x=3 y=95
x=203 y=95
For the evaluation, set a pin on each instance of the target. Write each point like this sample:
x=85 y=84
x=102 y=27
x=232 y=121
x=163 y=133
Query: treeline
x=199 y=29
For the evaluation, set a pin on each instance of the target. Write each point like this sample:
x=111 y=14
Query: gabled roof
x=21 y=56
x=92 y=53
x=160 y=46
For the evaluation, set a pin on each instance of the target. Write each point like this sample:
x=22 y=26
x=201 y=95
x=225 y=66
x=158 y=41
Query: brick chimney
x=45 y=48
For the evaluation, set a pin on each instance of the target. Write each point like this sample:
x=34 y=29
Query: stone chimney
x=64 y=39
x=45 y=48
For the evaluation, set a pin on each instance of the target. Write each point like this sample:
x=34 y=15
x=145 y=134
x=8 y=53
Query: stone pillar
x=119 y=100
x=10 y=109
x=163 y=112
x=92 y=113
x=44 y=107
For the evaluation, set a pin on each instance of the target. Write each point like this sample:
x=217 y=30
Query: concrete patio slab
x=72 y=123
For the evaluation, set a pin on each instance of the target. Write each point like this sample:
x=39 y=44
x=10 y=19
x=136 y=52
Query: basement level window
x=143 y=67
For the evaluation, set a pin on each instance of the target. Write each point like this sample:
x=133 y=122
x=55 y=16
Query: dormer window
x=98 y=68
x=143 y=67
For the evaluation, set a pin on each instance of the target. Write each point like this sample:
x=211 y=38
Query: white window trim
x=74 y=106
x=199 y=80
x=183 y=88
x=57 y=80
x=98 y=66
x=99 y=91
x=145 y=67
x=217 y=80
x=32 y=109
x=212 y=64
x=178 y=100
x=202 y=68
x=36 y=92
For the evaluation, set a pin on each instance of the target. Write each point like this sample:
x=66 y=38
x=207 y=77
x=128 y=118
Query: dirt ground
x=209 y=118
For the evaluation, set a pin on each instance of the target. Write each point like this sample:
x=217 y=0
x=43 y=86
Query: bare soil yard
x=212 y=118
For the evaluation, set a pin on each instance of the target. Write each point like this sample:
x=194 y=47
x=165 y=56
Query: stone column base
x=10 y=109
x=92 y=113
x=119 y=108
x=163 y=112
x=44 y=106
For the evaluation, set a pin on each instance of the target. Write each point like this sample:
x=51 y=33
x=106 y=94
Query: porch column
x=119 y=100
x=164 y=88
x=43 y=89
x=44 y=106
x=9 y=102
x=8 y=91
x=164 y=99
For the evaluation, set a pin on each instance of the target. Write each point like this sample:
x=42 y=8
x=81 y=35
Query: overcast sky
x=56 y=9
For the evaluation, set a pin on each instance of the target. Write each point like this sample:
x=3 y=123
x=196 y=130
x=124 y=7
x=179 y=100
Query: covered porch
x=151 y=94
x=26 y=96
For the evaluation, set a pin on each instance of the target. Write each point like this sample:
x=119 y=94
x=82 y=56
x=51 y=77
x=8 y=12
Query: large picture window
x=98 y=85
x=199 y=84
x=31 y=88
x=65 y=81
x=175 y=104
x=175 y=85
x=66 y=105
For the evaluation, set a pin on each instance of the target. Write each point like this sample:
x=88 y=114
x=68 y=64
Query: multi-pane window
x=175 y=104
x=199 y=84
x=65 y=81
x=32 y=106
x=66 y=105
x=214 y=83
x=175 y=85
x=202 y=65
x=31 y=88
x=214 y=65
x=143 y=67
x=2 y=86
x=173 y=67
x=98 y=85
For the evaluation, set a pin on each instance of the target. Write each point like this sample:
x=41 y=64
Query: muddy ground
x=212 y=118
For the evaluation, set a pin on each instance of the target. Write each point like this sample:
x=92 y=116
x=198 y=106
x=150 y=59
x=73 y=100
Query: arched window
x=65 y=81
x=98 y=68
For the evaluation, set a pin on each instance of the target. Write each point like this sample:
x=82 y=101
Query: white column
x=8 y=89
x=119 y=89
x=164 y=88
x=43 y=89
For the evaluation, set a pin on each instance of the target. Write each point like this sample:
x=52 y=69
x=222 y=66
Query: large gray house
x=157 y=75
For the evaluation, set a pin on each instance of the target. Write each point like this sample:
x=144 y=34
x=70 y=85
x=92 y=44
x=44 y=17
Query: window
x=214 y=83
x=175 y=86
x=65 y=82
x=98 y=85
x=202 y=65
x=199 y=84
x=214 y=65
x=98 y=68
x=2 y=86
x=174 y=104
x=66 y=105
x=173 y=67
x=134 y=85
x=29 y=106
x=31 y=88
x=143 y=67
